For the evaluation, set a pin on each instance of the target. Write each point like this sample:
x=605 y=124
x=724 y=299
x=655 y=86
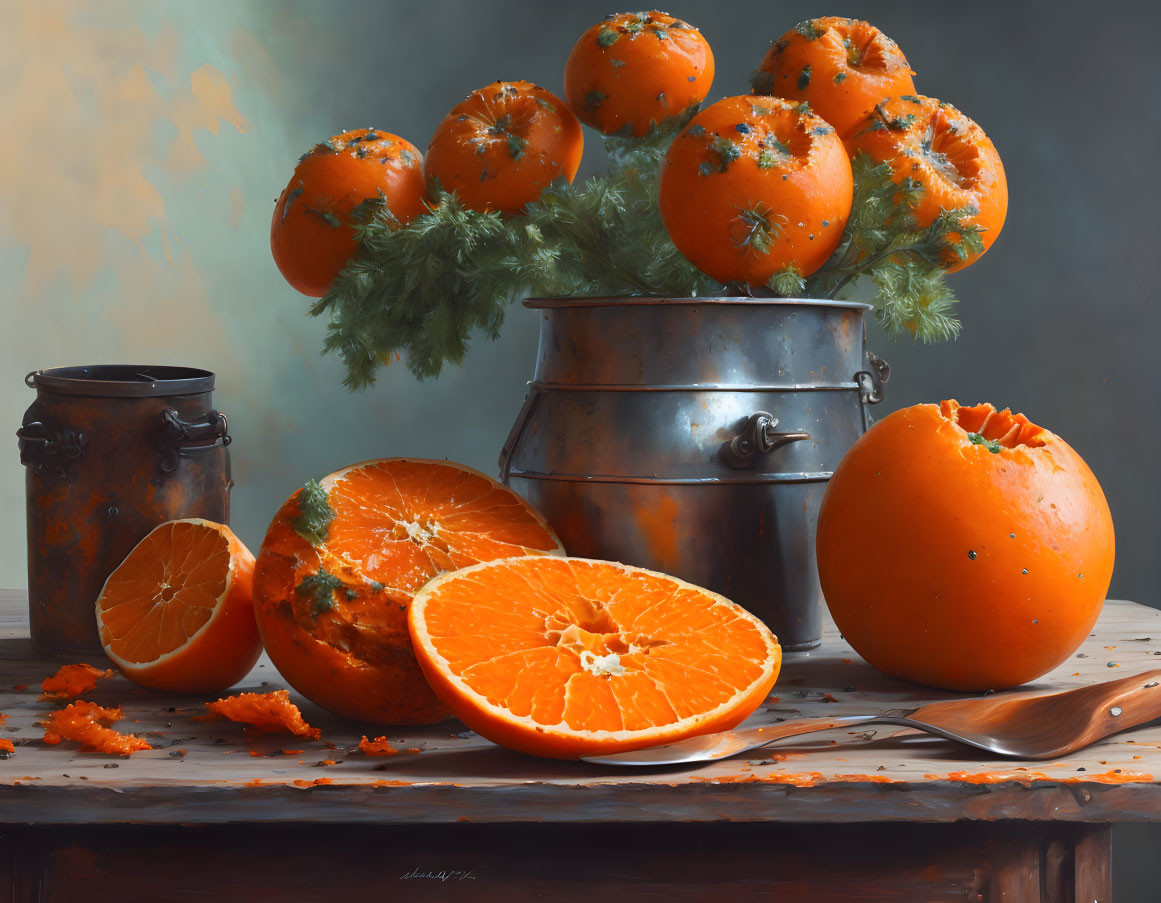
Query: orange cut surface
x=177 y=613
x=564 y=657
x=344 y=557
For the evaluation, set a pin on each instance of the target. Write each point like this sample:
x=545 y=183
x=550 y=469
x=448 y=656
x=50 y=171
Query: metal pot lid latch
x=871 y=382
x=758 y=436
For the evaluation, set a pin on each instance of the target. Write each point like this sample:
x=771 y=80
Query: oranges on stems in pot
x=635 y=70
x=946 y=155
x=964 y=547
x=502 y=145
x=342 y=560
x=753 y=186
x=338 y=184
x=841 y=67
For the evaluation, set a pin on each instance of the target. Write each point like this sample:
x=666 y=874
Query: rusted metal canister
x=695 y=436
x=111 y=451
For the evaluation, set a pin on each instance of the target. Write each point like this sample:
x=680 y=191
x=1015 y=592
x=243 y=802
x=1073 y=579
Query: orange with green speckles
x=947 y=154
x=502 y=145
x=964 y=547
x=634 y=70
x=754 y=185
x=337 y=185
x=841 y=67
x=332 y=600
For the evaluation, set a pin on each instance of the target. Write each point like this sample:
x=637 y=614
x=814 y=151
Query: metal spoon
x=1023 y=724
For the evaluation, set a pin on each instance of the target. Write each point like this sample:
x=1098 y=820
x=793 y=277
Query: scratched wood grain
x=210 y=772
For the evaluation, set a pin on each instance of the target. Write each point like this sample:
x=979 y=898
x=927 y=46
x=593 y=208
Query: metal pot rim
x=638 y=301
x=122 y=380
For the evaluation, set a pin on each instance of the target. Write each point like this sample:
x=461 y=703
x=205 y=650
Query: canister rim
x=636 y=301
x=123 y=380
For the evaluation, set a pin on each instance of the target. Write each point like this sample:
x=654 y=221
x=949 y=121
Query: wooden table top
x=204 y=772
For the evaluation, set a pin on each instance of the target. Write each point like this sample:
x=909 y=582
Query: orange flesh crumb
x=270 y=712
x=7 y=746
x=3 y=718
x=73 y=680
x=88 y=724
x=1003 y=427
x=377 y=747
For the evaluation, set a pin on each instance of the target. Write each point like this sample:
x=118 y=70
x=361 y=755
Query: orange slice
x=564 y=657
x=344 y=557
x=177 y=613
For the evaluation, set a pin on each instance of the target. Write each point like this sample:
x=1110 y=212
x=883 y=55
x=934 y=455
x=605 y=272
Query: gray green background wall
x=144 y=144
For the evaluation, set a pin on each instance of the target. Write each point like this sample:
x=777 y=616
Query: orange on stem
x=566 y=657
x=344 y=557
x=841 y=67
x=634 y=70
x=753 y=185
x=964 y=547
x=502 y=145
x=336 y=185
x=176 y=614
x=947 y=154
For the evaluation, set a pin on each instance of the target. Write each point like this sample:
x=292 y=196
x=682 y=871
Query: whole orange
x=964 y=547
x=954 y=163
x=753 y=185
x=635 y=70
x=502 y=145
x=337 y=185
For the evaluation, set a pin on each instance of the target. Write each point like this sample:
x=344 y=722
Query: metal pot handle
x=758 y=437
x=505 y=461
x=210 y=430
x=871 y=382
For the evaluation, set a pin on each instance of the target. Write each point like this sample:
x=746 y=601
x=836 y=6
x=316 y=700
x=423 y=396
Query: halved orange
x=177 y=614
x=568 y=657
x=344 y=556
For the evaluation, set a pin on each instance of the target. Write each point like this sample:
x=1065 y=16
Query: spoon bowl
x=1023 y=724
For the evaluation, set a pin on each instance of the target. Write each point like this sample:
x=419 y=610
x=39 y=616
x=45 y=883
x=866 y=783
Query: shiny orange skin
x=841 y=67
x=634 y=70
x=380 y=682
x=947 y=564
x=944 y=151
x=502 y=145
x=310 y=233
x=755 y=184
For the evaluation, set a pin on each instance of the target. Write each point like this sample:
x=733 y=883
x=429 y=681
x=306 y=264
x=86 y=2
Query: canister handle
x=210 y=430
x=758 y=437
x=509 y=448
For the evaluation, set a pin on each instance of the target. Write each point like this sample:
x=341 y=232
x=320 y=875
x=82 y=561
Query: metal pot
x=111 y=451
x=695 y=436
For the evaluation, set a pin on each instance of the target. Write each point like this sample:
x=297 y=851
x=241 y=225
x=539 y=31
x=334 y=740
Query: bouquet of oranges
x=830 y=170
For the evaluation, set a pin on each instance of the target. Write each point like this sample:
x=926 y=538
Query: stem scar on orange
x=946 y=154
x=342 y=560
x=634 y=70
x=754 y=185
x=567 y=657
x=501 y=146
x=964 y=547
x=841 y=67
x=339 y=183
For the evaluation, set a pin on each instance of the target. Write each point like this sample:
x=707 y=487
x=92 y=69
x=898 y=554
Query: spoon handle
x=756 y=737
x=1131 y=701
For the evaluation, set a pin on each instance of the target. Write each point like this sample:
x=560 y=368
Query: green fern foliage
x=420 y=293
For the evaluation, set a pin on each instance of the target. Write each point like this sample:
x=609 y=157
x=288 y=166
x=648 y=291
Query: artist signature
x=439 y=875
